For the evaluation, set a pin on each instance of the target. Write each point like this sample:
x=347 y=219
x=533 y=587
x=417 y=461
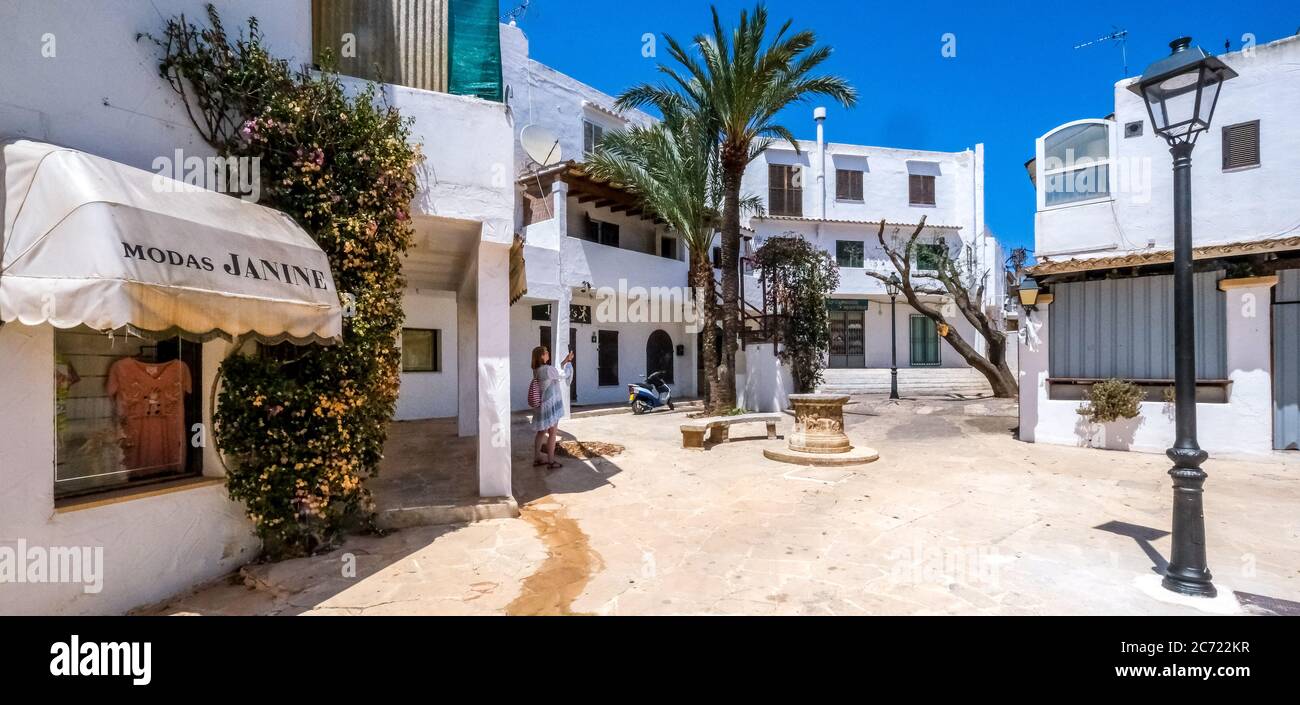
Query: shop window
x=126 y=411
x=607 y=358
x=421 y=350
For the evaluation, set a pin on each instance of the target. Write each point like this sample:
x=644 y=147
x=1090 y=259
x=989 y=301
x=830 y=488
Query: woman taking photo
x=551 y=382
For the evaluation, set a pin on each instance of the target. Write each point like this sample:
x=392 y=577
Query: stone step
x=930 y=381
x=459 y=512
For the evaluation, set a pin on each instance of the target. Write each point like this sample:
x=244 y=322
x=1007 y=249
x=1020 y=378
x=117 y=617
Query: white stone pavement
x=957 y=517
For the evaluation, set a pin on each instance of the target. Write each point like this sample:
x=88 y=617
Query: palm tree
x=738 y=82
x=672 y=167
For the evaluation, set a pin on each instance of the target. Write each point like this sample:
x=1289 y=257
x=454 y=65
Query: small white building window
x=1074 y=163
x=591 y=136
x=421 y=350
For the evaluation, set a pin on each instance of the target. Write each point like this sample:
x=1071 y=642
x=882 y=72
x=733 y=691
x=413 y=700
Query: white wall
x=466 y=173
x=428 y=395
x=763 y=383
x=543 y=96
x=877 y=336
x=1242 y=425
x=101 y=91
x=854 y=281
x=525 y=334
x=1235 y=206
x=884 y=183
x=153 y=547
x=957 y=215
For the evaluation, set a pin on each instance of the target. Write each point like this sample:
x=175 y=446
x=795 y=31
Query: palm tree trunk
x=702 y=280
x=733 y=170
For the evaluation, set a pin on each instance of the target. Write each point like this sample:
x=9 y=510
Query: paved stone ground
x=957 y=517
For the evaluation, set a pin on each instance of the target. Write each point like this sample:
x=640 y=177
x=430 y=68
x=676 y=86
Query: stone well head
x=819 y=423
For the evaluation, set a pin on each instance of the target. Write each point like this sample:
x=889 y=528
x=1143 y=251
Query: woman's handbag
x=535 y=394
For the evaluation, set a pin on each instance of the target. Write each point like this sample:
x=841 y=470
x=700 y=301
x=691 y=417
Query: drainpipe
x=819 y=115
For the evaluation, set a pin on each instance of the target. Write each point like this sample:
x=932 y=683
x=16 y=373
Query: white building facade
x=75 y=75
x=1104 y=240
x=836 y=195
x=605 y=278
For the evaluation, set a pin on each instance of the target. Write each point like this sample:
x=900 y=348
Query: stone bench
x=719 y=428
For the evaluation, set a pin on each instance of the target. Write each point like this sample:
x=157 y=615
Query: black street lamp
x=892 y=286
x=1180 y=91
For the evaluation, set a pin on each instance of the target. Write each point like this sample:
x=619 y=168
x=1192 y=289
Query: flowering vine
x=304 y=427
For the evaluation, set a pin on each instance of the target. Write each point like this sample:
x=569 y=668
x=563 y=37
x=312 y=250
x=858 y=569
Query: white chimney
x=819 y=114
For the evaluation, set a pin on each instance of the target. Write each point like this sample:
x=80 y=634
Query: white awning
x=89 y=241
x=920 y=168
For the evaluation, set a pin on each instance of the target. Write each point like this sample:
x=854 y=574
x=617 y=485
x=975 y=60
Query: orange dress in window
x=150 y=411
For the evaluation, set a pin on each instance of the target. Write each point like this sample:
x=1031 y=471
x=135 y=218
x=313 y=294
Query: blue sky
x=1015 y=75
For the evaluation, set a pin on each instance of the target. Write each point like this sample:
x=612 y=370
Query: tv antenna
x=1119 y=36
x=516 y=14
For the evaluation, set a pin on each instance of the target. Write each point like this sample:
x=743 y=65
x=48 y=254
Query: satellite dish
x=541 y=145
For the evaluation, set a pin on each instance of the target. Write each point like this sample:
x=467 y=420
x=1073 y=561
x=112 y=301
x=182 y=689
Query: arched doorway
x=659 y=355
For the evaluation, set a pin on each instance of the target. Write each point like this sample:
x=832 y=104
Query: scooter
x=650 y=394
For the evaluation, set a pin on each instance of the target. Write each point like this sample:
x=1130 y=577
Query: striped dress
x=553 y=383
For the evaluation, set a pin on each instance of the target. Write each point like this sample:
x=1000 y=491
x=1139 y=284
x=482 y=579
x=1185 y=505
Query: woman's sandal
x=554 y=465
x=538 y=463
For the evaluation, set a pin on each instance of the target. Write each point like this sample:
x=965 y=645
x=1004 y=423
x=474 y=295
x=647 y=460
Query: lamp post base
x=1188 y=573
x=1200 y=587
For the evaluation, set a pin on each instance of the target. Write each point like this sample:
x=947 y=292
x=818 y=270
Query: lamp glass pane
x=1209 y=96
x=1174 y=102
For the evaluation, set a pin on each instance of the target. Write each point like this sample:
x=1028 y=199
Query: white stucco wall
x=1242 y=425
x=877 y=336
x=763 y=383
x=542 y=96
x=1228 y=206
x=428 y=395
x=101 y=92
x=958 y=184
x=153 y=547
x=957 y=217
x=855 y=283
x=525 y=334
